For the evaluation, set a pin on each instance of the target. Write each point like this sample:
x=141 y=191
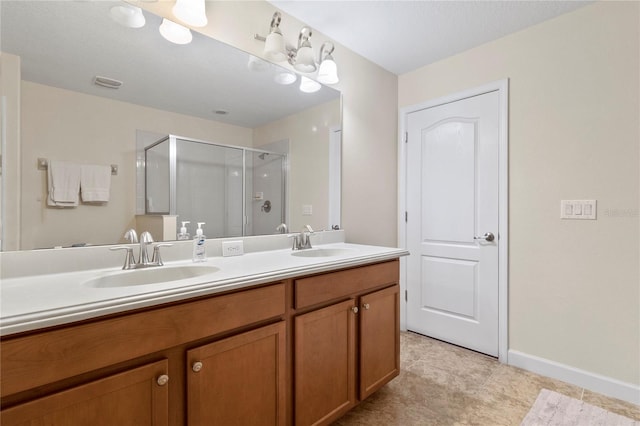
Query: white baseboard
x=591 y=381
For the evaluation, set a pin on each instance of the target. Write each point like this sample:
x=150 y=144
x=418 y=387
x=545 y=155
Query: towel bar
x=43 y=164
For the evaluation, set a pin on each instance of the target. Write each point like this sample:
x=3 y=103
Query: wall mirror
x=205 y=90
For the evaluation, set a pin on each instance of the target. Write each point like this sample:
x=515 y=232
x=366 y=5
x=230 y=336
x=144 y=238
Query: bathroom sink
x=321 y=252
x=153 y=275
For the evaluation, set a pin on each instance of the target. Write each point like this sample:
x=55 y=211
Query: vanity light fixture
x=191 y=12
x=274 y=48
x=128 y=16
x=309 y=86
x=328 y=70
x=302 y=58
x=175 y=33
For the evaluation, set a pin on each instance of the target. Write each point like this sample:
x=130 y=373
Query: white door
x=452 y=227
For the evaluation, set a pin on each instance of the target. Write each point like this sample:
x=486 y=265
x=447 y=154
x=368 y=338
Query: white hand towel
x=64 y=184
x=95 y=183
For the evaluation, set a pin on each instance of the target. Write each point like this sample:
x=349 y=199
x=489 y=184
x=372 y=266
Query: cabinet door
x=240 y=380
x=135 y=397
x=325 y=364
x=379 y=339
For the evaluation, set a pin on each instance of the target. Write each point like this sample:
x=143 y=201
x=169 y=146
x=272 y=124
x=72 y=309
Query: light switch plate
x=578 y=209
x=232 y=248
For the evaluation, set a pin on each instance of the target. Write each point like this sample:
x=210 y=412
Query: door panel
x=452 y=199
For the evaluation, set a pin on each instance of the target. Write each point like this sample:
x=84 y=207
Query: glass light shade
x=308 y=86
x=256 y=64
x=175 y=33
x=274 y=47
x=191 y=12
x=328 y=72
x=285 y=78
x=304 y=60
x=128 y=16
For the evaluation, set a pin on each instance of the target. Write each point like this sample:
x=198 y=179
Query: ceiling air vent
x=107 y=82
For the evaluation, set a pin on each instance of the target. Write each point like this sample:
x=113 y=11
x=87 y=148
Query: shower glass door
x=235 y=191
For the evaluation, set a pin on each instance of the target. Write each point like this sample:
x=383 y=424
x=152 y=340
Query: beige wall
x=369 y=130
x=59 y=124
x=574 y=286
x=10 y=91
x=308 y=135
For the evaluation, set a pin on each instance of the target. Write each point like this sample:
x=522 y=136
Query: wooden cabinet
x=239 y=380
x=379 y=339
x=135 y=397
x=91 y=374
x=325 y=363
x=345 y=351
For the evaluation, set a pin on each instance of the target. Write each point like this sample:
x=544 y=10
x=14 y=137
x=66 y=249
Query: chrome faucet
x=302 y=240
x=145 y=240
x=143 y=257
x=131 y=235
x=282 y=228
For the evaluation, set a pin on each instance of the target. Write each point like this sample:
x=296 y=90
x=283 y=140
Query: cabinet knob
x=354 y=309
x=162 y=380
x=197 y=366
x=365 y=306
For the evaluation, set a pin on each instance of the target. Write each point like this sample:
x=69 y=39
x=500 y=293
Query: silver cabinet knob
x=487 y=237
x=197 y=366
x=366 y=306
x=354 y=309
x=162 y=380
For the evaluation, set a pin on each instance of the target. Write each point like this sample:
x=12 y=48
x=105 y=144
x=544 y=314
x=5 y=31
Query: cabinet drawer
x=137 y=396
x=43 y=358
x=322 y=288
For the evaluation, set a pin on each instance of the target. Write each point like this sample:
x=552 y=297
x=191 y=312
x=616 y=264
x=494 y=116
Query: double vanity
x=273 y=337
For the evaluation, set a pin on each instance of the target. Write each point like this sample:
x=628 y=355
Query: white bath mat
x=554 y=409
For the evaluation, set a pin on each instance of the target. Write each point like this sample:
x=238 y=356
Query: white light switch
x=578 y=209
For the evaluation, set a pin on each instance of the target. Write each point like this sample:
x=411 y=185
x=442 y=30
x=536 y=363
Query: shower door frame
x=173 y=175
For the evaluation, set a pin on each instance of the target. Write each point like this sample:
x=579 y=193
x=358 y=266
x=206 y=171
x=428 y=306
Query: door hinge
x=406 y=216
x=406 y=296
x=406 y=137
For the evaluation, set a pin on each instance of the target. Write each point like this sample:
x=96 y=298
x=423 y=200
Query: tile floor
x=442 y=384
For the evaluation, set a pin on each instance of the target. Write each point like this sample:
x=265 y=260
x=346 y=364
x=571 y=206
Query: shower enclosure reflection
x=236 y=191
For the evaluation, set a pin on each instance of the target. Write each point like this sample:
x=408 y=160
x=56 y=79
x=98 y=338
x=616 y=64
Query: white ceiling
x=401 y=35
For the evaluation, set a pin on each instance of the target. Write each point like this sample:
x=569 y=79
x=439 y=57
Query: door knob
x=162 y=380
x=487 y=237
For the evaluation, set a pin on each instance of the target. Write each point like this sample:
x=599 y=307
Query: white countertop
x=38 y=301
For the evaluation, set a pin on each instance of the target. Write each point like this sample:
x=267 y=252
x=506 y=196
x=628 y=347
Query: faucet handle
x=128 y=258
x=156 y=253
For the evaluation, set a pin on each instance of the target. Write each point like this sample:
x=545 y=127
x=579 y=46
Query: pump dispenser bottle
x=183 y=234
x=199 y=254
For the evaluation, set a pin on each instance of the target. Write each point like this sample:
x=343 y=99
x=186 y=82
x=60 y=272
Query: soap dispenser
x=199 y=254
x=183 y=234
